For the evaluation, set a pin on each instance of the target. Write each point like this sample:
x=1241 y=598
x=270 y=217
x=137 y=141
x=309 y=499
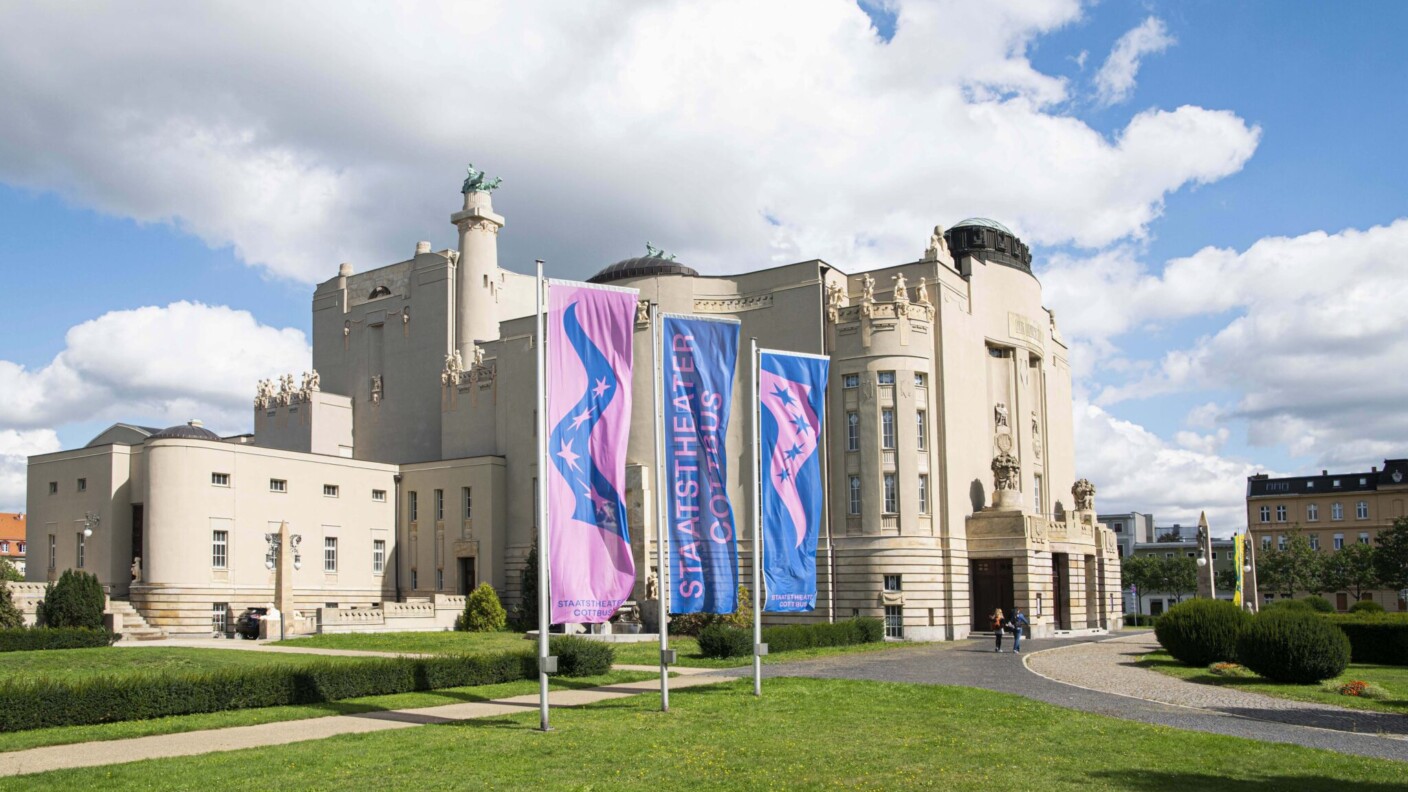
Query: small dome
x=641 y=267
x=984 y=222
x=186 y=431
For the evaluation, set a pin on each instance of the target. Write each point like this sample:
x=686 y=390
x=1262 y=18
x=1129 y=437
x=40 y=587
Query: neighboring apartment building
x=1331 y=510
x=12 y=539
x=406 y=462
x=1181 y=540
x=1129 y=528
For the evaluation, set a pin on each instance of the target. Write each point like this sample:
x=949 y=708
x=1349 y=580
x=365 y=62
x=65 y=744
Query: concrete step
x=134 y=626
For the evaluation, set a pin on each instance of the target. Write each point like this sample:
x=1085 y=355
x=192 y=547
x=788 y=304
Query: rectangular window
x=923 y=493
x=886 y=378
x=1363 y=538
x=220 y=617
x=330 y=554
x=278 y=485
x=4 y=547
x=379 y=496
x=53 y=488
x=1281 y=542
x=892 y=502
x=887 y=428
x=1280 y=513
x=378 y=556
x=415 y=580
x=1036 y=492
x=330 y=490
x=852 y=431
x=1336 y=511
x=894 y=621
x=220 y=479
x=83 y=485
x=1266 y=514
x=921 y=425
x=892 y=583
x=80 y=550
x=1339 y=541
x=468 y=498
x=439 y=504
x=855 y=495
x=413 y=504
x=1361 y=510
x=1312 y=513
x=439 y=579
x=220 y=549
x=1265 y=543
x=850 y=381
x=921 y=380
x=1315 y=541
x=53 y=552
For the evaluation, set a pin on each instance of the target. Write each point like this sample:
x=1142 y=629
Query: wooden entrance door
x=991 y=579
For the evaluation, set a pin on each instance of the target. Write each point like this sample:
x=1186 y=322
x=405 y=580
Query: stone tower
x=477 y=277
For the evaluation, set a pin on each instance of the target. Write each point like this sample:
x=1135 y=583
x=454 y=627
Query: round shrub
x=1286 y=646
x=1366 y=606
x=1318 y=604
x=1288 y=605
x=721 y=641
x=579 y=657
x=1201 y=631
x=482 y=611
x=75 y=601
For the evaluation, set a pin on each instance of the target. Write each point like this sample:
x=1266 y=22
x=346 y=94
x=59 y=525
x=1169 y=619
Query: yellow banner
x=1238 y=556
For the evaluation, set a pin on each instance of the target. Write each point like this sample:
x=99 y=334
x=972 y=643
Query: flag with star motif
x=589 y=349
x=791 y=400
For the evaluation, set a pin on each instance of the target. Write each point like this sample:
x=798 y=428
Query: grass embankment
x=803 y=734
x=1392 y=678
x=72 y=665
x=66 y=735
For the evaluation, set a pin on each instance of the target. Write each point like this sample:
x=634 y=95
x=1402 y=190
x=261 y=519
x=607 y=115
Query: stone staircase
x=134 y=627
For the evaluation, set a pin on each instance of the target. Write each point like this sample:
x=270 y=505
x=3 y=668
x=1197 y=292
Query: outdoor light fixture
x=90 y=521
x=1202 y=561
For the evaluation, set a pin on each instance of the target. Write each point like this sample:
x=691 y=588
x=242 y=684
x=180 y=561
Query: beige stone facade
x=949 y=378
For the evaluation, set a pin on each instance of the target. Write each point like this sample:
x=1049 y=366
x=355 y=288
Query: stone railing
x=26 y=597
x=429 y=614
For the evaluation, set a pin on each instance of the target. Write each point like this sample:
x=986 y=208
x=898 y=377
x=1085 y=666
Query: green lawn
x=1392 y=678
x=687 y=653
x=443 y=642
x=65 y=735
x=803 y=734
x=76 y=664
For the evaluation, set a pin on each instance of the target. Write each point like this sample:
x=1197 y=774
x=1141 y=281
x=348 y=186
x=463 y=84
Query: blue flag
x=700 y=355
x=791 y=398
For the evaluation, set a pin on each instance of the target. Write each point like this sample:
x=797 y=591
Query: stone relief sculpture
x=652 y=587
x=454 y=369
x=835 y=300
x=478 y=181
x=642 y=312
x=1036 y=435
x=937 y=245
x=137 y=569
x=901 y=295
x=999 y=415
x=1084 y=493
x=376 y=388
x=1006 y=471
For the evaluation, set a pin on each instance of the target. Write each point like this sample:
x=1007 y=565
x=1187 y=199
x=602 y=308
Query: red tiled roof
x=12 y=533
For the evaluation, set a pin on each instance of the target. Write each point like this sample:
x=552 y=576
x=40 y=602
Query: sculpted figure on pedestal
x=901 y=295
x=1006 y=470
x=1084 y=493
x=999 y=415
x=937 y=245
x=867 y=289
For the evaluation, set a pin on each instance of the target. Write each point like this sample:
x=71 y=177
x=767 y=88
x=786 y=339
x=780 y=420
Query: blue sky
x=239 y=173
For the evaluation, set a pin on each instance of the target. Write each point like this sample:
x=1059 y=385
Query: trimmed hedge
x=720 y=641
x=1286 y=646
x=579 y=657
x=38 y=638
x=1139 y=620
x=1375 y=638
x=1366 y=606
x=1202 y=631
x=1288 y=605
x=1318 y=604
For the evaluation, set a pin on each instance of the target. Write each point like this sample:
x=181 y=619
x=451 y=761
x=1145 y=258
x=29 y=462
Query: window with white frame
x=1363 y=537
x=892 y=501
x=1036 y=491
x=1339 y=541
x=4 y=546
x=923 y=493
x=378 y=556
x=893 y=583
x=850 y=381
x=219 y=549
x=220 y=617
x=1281 y=542
x=1280 y=513
x=1312 y=513
x=921 y=380
x=413 y=505
x=379 y=495
x=439 y=504
x=885 y=378
x=330 y=490
x=467 y=499
x=1265 y=543
x=330 y=554
x=278 y=485
x=894 y=621
x=80 y=549
x=854 y=495
x=220 y=479
x=1361 y=510
x=887 y=428
x=1266 y=514
x=921 y=426
x=1336 y=511
x=1315 y=541
x=852 y=431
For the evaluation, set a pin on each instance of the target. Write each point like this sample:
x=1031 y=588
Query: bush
x=482 y=611
x=1288 y=605
x=1201 y=631
x=721 y=641
x=579 y=657
x=9 y=572
x=1374 y=638
x=1139 y=620
x=1286 y=646
x=35 y=704
x=1366 y=606
x=1356 y=687
x=694 y=623
x=75 y=601
x=1318 y=604
x=39 y=638
x=10 y=616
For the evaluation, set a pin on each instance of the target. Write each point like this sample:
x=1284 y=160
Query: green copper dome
x=983 y=222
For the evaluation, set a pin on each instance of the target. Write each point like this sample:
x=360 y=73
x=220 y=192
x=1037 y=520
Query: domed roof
x=984 y=222
x=654 y=262
x=186 y=431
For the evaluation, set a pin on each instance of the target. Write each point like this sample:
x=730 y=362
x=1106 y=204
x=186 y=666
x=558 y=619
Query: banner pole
x=757 y=530
x=661 y=511
x=542 y=508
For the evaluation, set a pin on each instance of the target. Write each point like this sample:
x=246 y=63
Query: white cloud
x=1115 y=81
x=15 y=449
x=307 y=134
x=161 y=365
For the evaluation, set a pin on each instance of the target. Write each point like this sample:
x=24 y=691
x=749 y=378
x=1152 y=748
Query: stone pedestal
x=1007 y=500
x=650 y=616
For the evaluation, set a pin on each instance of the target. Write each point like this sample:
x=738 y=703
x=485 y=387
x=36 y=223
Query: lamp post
x=90 y=522
x=278 y=561
x=1250 y=598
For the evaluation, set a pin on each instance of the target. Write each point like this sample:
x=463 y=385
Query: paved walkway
x=974 y=664
x=58 y=757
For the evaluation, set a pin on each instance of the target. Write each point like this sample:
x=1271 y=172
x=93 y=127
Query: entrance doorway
x=992 y=589
x=1060 y=579
x=466 y=570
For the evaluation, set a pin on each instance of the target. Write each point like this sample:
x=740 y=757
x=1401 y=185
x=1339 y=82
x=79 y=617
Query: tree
x=75 y=601
x=527 y=611
x=1141 y=572
x=1296 y=567
x=10 y=616
x=8 y=572
x=1226 y=579
x=1177 y=577
x=1391 y=556
x=1352 y=569
x=482 y=611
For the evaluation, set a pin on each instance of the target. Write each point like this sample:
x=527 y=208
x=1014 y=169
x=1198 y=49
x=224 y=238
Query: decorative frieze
x=731 y=305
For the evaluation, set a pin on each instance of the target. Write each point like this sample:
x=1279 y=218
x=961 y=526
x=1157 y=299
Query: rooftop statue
x=654 y=252
x=478 y=181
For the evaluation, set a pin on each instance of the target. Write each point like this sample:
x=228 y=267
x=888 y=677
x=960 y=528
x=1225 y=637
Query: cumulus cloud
x=15 y=449
x=1115 y=81
x=736 y=134
x=159 y=365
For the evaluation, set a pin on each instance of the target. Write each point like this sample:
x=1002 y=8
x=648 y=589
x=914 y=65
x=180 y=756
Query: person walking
x=1019 y=625
x=998 y=623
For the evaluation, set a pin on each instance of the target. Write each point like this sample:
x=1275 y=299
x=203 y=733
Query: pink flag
x=589 y=350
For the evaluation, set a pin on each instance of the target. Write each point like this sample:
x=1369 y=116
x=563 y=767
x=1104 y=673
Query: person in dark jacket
x=1019 y=626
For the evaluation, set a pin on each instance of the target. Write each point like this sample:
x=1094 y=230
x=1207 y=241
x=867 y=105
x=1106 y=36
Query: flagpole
x=661 y=511
x=757 y=531
x=544 y=661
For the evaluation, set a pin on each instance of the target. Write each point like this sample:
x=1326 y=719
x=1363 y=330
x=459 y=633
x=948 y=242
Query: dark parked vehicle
x=247 y=625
